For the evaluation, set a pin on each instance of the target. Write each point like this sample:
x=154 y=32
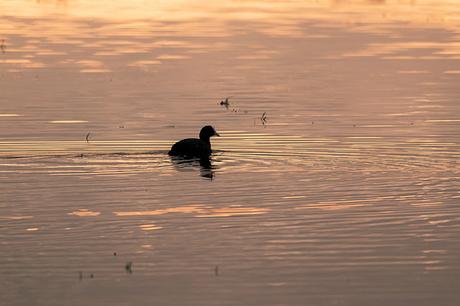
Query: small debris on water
x=225 y=102
x=87 y=137
x=216 y=270
x=129 y=267
x=264 y=118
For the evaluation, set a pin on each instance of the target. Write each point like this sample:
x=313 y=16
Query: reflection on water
x=200 y=211
x=145 y=34
x=346 y=193
x=204 y=164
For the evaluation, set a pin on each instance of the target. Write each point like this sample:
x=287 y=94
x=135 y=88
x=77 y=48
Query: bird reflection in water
x=204 y=164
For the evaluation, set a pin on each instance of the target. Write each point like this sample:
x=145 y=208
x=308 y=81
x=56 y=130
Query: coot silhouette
x=192 y=147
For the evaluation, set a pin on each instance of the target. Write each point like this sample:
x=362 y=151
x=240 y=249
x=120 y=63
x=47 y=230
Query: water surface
x=347 y=194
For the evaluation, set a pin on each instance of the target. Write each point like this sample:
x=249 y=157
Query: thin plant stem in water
x=264 y=118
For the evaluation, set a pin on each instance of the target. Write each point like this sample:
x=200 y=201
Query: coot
x=192 y=147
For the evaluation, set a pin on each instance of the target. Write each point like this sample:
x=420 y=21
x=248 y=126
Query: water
x=346 y=195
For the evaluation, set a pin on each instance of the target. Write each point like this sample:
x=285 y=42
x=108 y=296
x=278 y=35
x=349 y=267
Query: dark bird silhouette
x=192 y=147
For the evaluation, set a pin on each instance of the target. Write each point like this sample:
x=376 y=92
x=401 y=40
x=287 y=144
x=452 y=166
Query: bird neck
x=205 y=139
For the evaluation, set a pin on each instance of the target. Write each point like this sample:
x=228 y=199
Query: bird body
x=193 y=147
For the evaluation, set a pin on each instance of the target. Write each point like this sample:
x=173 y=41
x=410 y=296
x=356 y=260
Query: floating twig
x=87 y=137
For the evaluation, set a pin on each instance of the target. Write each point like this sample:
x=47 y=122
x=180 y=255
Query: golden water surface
x=335 y=182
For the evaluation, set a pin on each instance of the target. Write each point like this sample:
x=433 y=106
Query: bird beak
x=216 y=134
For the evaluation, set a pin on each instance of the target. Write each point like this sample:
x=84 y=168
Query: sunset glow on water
x=335 y=180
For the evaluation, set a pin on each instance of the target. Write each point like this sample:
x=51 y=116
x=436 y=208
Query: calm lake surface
x=347 y=194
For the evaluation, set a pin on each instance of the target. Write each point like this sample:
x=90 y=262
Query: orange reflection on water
x=16 y=217
x=84 y=213
x=182 y=209
x=200 y=211
x=95 y=31
x=10 y=115
x=431 y=50
x=233 y=211
x=336 y=205
x=149 y=227
x=67 y=121
x=422 y=11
